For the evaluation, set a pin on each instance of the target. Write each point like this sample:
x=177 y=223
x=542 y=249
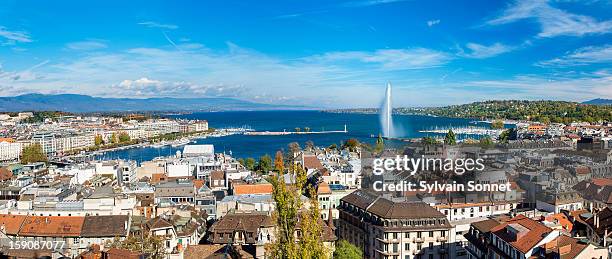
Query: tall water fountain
x=386 y=119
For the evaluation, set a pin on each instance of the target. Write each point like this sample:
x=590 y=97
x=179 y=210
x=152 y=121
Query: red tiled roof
x=11 y=223
x=312 y=162
x=198 y=183
x=602 y=181
x=5 y=174
x=323 y=188
x=262 y=188
x=562 y=220
x=57 y=226
x=535 y=233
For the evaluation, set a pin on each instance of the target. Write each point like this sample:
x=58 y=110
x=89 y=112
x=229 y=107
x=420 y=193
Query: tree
x=265 y=164
x=114 y=139
x=333 y=146
x=450 y=139
x=291 y=214
x=279 y=164
x=146 y=243
x=346 y=250
x=309 y=145
x=427 y=140
x=249 y=163
x=98 y=140
x=294 y=148
x=380 y=144
x=504 y=137
x=351 y=144
x=33 y=153
x=497 y=124
x=297 y=130
x=486 y=142
x=306 y=129
x=124 y=137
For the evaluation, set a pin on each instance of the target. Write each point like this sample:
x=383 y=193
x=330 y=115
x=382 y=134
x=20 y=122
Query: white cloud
x=482 y=51
x=390 y=59
x=553 y=21
x=145 y=87
x=86 y=45
x=553 y=87
x=582 y=56
x=433 y=22
x=14 y=36
x=151 y=24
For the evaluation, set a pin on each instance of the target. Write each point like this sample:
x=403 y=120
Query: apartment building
x=394 y=229
x=54 y=143
x=9 y=151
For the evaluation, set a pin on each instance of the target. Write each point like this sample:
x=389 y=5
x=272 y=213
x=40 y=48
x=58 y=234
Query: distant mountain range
x=599 y=101
x=84 y=103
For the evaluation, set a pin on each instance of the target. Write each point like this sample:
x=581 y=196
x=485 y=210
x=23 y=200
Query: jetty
x=280 y=133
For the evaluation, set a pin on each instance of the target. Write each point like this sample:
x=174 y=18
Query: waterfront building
x=9 y=151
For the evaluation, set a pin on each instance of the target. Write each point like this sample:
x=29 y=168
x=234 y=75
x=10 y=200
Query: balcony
x=418 y=240
x=387 y=252
x=442 y=239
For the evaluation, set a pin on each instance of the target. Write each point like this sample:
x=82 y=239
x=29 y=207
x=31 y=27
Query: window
x=407 y=246
x=443 y=233
x=419 y=234
x=430 y=233
x=430 y=245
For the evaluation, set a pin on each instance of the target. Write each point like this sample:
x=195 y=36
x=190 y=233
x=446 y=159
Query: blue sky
x=316 y=53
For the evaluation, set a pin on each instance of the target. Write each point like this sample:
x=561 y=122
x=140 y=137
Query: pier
x=280 y=133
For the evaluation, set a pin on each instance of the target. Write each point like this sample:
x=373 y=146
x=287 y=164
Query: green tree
x=333 y=146
x=450 y=138
x=380 y=144
x=504 y=137
x=346 y=250
x=32 y=154
x=298 y=129
x=486 y=142
x=146 y=244
x=265 y=164
x=427 y=140
x=306 y=129
x=497 y=124
x=249 y=163
x=124 y=137
x=114 y=139
x=98 y=140
x=351 y=144
x=291 y=214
